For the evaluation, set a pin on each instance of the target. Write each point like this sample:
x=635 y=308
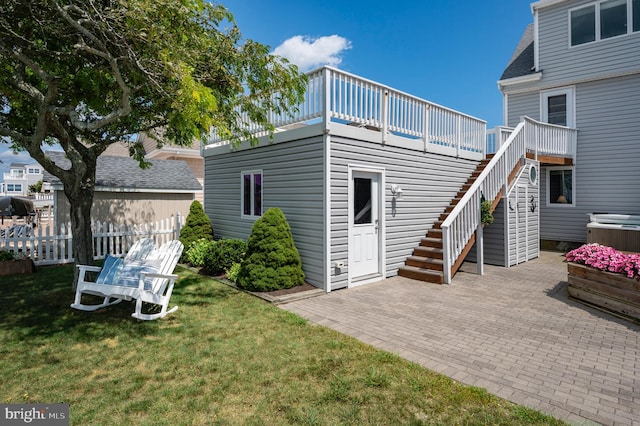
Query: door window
x=361 y=201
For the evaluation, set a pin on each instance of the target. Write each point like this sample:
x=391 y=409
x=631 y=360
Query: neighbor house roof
x=522 y=60
x=124 y=173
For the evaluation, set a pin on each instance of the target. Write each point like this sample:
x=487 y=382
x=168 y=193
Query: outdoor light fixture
x=396 y=191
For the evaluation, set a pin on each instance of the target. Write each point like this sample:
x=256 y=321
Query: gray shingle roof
x=521 y=62
x=124 y=172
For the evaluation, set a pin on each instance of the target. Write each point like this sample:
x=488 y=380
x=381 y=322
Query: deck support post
x=480 y=248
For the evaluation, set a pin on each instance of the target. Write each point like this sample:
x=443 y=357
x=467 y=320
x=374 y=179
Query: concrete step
x=421 y=274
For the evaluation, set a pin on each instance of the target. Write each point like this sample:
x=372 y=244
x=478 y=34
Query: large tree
x=85 y=74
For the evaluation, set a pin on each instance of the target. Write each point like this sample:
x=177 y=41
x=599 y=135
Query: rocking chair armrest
x=89 y=268
x=144 y=275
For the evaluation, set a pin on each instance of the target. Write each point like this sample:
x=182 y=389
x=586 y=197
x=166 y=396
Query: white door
x=364 y=224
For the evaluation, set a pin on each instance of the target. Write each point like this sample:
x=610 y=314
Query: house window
x=14 y=187
x=557 y=106
x=613 y=18
x=560 y=186
x=33 y=171
x=252 y=193
x=583 y=25
x=557 y=109
x=602 y=20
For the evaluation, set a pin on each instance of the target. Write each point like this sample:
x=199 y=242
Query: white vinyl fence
x=46 y=247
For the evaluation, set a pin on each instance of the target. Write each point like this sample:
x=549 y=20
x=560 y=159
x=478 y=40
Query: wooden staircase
x=426 y=264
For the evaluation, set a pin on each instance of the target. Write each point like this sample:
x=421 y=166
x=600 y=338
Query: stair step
x=437 y=225
x=431 y=242
x=432 y=252
x=435 y=233
x=421 y=274
x=443 y=217
x=425 y=263
x=456 y=200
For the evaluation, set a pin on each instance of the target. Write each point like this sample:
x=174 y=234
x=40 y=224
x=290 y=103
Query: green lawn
x=224 y=357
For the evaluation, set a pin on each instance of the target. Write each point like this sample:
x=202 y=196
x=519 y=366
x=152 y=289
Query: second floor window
x=604 y=19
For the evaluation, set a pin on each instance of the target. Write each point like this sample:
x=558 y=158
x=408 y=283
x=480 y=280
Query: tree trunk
x=80 y=199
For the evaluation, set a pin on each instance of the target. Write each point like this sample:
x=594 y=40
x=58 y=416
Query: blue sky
x=448 y=52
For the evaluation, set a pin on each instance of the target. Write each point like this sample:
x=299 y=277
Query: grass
x=223 y=358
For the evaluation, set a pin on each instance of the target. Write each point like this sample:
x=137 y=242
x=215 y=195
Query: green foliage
x=272 y=261
x=197 y=250
x=6 y=255
x=222 y=254
x=485 y=213
x=36 y=187
x=197 y=226
x=85 y=74
x=232 y=272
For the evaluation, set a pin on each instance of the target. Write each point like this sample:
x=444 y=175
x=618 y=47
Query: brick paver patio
x=511 y=331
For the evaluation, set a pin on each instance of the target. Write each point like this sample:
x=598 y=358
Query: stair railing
x=530 y=136
x=464 y=219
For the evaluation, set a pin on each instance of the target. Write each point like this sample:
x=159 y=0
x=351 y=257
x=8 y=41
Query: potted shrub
x=12 y=264
x=606 y=278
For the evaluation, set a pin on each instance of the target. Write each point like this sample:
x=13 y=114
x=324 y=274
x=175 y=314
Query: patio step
x=425 y=262
x=421 y=274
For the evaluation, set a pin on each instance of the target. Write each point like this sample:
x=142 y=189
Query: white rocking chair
x=145 y=274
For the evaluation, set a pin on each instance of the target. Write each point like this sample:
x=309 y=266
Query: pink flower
x=606 y=259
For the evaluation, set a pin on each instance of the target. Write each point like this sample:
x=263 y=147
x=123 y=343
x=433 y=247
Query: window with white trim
x=602 y=20
x=33 y=171
x=560 y=186
x=251 y=193
x=557 y=106
x=14 y=187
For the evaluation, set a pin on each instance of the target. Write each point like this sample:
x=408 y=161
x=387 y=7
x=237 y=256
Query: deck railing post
x=326 y=99
x=385 y=115
x=458 y=135
x=425 y=127
x=446 y=255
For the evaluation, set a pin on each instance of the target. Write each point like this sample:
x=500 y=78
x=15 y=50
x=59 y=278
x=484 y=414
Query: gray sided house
x=374 y=183
x=578 y=65
x=127 y=194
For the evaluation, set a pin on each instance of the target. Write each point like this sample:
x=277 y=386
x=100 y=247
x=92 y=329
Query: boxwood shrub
x=222 y=254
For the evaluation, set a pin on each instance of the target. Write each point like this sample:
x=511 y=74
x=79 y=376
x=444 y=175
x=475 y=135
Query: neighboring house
x=375 y=182
x=578 y=65
x=190 y=155
x=127 y=194
x=20 y=177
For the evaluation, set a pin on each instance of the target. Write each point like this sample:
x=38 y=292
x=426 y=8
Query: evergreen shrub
x=197 y=226
x=272 y=261
x=222 y=254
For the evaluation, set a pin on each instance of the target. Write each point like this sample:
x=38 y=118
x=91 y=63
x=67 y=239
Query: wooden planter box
x=17 y=267
x=612 y=292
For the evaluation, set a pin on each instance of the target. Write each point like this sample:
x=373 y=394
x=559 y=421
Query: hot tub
x=620 y=231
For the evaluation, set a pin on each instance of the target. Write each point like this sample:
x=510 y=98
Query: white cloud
x=308 y=53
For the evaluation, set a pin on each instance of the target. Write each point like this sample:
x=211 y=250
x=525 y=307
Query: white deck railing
x=47 y=247
x=342 y=97
x=529 y=136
